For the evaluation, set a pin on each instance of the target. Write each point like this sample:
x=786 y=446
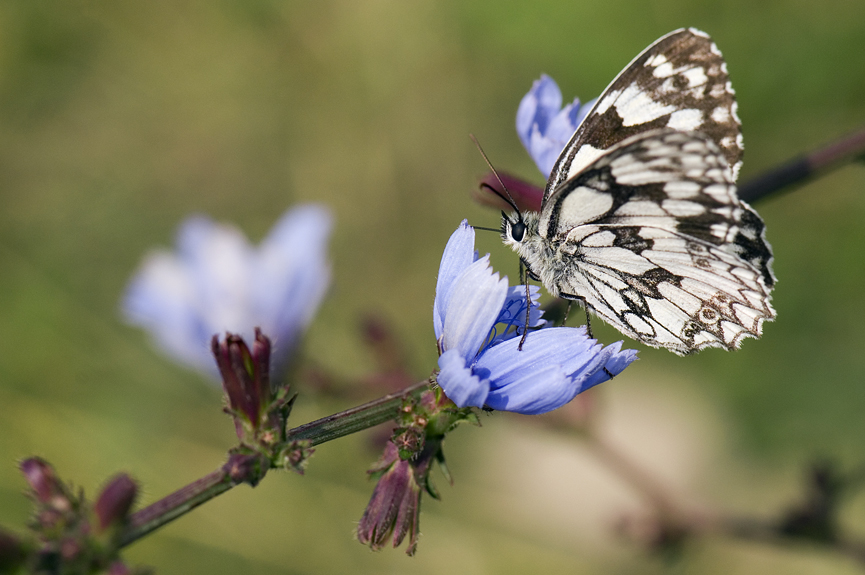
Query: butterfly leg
x=526 y=273
x=571 y=299
x=528 y=316
x=582 y=300
x=567 y=312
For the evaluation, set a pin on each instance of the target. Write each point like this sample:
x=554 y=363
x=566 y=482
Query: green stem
x=217 y=482
x=175 y=505
x=355 y=419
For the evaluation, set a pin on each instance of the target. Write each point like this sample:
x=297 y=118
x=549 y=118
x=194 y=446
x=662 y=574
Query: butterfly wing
x=660 y=246
x=679 y=82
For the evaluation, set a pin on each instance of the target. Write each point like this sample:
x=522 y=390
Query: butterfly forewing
x=679 y=82
x=659 y=245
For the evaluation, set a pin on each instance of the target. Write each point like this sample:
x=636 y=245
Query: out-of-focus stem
x=800 y=169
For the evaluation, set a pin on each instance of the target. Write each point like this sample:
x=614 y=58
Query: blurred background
x=120 y=119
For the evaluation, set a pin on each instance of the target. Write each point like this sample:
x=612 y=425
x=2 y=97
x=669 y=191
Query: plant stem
x=175 y=505
x=798 y=170
x=219 y=481
x=355 y=419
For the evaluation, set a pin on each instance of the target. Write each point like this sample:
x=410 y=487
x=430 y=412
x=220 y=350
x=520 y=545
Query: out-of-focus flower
x=478 y=322
x=544 y=126
x=217 y=281
x=525 y=195
x=70 y=534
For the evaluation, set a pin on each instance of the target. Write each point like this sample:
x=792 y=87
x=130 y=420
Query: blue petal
x=217 y=281
x=458 y=255
x=513 y=312
x=458 y=382
x=537 y=109
x=292 y=275
x=540 y=391
x=544 y=127
x=554 y=365
x=160 y=298
x=540 y=377
x=615 y=361
x=475 y=302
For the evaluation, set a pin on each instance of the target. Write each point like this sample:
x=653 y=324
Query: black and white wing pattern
x=654 y=238
x=640 y=218
x=678 y=82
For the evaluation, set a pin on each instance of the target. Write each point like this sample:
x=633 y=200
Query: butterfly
x=640 y=219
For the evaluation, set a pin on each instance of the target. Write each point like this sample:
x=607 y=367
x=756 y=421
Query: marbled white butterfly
x=640 y=218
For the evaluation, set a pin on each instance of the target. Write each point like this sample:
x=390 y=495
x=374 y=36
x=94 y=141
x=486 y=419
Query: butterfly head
x=520 y=230
x=513 y=231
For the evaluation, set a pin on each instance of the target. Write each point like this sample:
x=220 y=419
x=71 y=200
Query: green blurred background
x=119 y=119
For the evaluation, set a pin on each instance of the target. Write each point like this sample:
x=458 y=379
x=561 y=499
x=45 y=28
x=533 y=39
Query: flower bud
x=114 y=502
x=394 y=508
x=43 y=481
x=245 y=379
x=527 y=196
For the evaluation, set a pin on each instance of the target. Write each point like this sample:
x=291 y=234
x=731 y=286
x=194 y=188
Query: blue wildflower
x=478 y=321
x=217 y=281
x=544 y=126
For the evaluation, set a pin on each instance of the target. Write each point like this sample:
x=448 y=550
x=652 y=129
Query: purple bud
x=245 y=378
x=527 y=196
x=43 y=481
x=394 y=508
x=114 y=502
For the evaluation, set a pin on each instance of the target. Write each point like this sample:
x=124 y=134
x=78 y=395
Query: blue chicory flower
x=217 y=281
x=478 y=322
x=544 y=126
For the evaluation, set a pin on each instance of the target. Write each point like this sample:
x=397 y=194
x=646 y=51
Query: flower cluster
x=479 y=320
x=218 y=282
x=67 y=530
x=544 y=126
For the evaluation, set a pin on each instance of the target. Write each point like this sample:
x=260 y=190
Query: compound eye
x=518 y=230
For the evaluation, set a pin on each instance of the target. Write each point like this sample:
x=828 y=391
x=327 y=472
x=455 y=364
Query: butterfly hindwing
x=679 y=82
x=658 y=243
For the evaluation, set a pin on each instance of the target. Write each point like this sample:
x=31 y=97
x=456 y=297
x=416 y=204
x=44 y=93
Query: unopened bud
x=526 y=196
x=42 y=479
x=114 y=502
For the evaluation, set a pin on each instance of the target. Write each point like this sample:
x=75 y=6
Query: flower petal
x=161 y=298
x=458 y=255
x=458 y=382
x=615 y=360
x=537 y=378
x=537 y=109
x=217 y=281
x=535 y=392
x=554 y=365
x=544 y=127
x=513 y=313
x=475 y=302
x=292 y=274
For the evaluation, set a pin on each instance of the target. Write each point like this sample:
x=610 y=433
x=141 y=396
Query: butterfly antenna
x=498 y=231
x=509 y=199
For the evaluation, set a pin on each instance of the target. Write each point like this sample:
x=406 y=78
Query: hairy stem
x=221 y=480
